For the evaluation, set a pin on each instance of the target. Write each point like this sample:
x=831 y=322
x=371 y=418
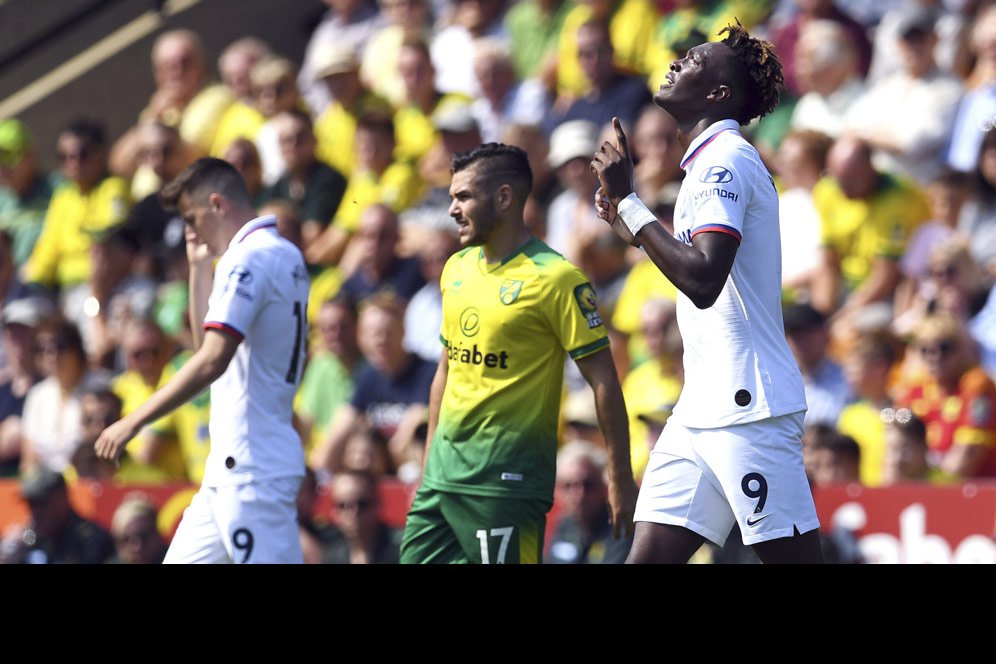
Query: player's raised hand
x=607 y=212
x=622 y=505
x=198 y=253
x=113 y=439
x=614 y=167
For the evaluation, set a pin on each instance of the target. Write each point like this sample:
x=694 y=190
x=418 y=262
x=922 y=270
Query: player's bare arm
x=202 y=369
x=436 y=401
x=599 y=371
x=699 y=270
x=201 y=281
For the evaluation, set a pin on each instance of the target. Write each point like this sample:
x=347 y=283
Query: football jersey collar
x=705 y=138
x=259 y=223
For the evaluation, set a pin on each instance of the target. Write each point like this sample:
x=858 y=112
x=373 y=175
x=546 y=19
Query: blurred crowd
x=883 y=148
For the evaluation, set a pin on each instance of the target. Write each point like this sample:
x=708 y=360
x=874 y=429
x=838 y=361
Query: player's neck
x=689 y=130
x=505 y=242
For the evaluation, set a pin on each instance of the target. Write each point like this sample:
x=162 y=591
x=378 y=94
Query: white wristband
x=634 y=213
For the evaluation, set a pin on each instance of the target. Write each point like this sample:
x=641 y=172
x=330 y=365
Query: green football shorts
x=446 y=527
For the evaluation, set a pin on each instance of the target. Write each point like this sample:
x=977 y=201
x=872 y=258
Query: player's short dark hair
x=498 y=162
x=761 y=70
x=89 y=130
x=204 y=176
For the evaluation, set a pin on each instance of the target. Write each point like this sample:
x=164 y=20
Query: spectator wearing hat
x=54 y=533
x=137 y=540
x=907 y=117
x=458 y=132
x=337 y=66
x=90 y=202
x=20 y=318
x=611 y=92
x=350 y=23
x=571 y=214
x=583 y=533
x=25 y=190
x=808 y=336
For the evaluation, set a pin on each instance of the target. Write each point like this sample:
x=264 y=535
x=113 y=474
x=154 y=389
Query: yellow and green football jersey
x=507 y=327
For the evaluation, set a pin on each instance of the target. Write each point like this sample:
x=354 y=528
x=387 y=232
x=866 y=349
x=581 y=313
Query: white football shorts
x=751 y=474
x=244 y=523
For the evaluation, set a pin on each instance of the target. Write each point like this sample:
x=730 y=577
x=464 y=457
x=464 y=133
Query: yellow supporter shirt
x=240 y=121
x=335 y=132
x=398 y=188
x=507 y=328
x=133 y=392
x=201 y=117
x=863 y=422
x=62 y=254
x=647 y=389
x=861 y=231
x=414 y=132
x=188 y=424
x=631 y=29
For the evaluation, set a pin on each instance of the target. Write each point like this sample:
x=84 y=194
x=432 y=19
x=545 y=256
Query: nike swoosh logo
x=751 y=521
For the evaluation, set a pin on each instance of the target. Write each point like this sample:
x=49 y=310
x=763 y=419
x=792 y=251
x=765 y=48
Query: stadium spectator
x=315 y=531
x=335 y=128
x=829 y=80
x=424 y=313
x=867 y=217
x=243 y=155
x=503 y=100
x=363 y=538
x=51 y=422
x=835 y=460
x=907 y=117
x=407 y=21
x=534 y=28
x=379 y=268
x=25 y=190
x=583 y=533
x=658 y=157
x=868 y=370
x=99 y=408
x=243 y=118
x=983 y=330
x=610 y=91
x=315 y=188
x=366 y=451
x=809 y=337
x=54 y=533
x=274 y=91
x=333 y=367
x=955 y=399
x=787 y=37
x=453 y=47
x=183 y=98
x=390 y=394
x=349 y=23
x=631 y=25
x=20 y=319
x=89 y=202
x=977 y=112
x=977 y=220
x=799 y=164
x=136 y=538
x=571 y=215
x=906 y=448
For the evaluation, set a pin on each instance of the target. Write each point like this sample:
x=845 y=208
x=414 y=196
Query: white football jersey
x=260 y=296
x=738 y=366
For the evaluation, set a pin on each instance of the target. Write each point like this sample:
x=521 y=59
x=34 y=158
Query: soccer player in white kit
x=251 y=353
x=731 y=451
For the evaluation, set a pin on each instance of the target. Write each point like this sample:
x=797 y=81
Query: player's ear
x=720 y=93
x=504 y=197
x=216 y=202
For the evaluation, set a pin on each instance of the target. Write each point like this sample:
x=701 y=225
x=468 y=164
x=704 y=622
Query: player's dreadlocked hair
x=761 y=68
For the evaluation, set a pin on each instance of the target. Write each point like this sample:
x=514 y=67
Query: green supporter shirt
x=534 y=36
x=326 y=385
x=23 y=218
x=508 y=327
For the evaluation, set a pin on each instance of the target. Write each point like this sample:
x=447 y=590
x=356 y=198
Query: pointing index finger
x=621 y=143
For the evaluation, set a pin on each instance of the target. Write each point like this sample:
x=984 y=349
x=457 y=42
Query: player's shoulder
x=549 y=264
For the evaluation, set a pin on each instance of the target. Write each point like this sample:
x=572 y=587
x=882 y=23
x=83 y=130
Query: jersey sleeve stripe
x=589 y=348
x=442 y=340
x=224 y=327
x=718 y=228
